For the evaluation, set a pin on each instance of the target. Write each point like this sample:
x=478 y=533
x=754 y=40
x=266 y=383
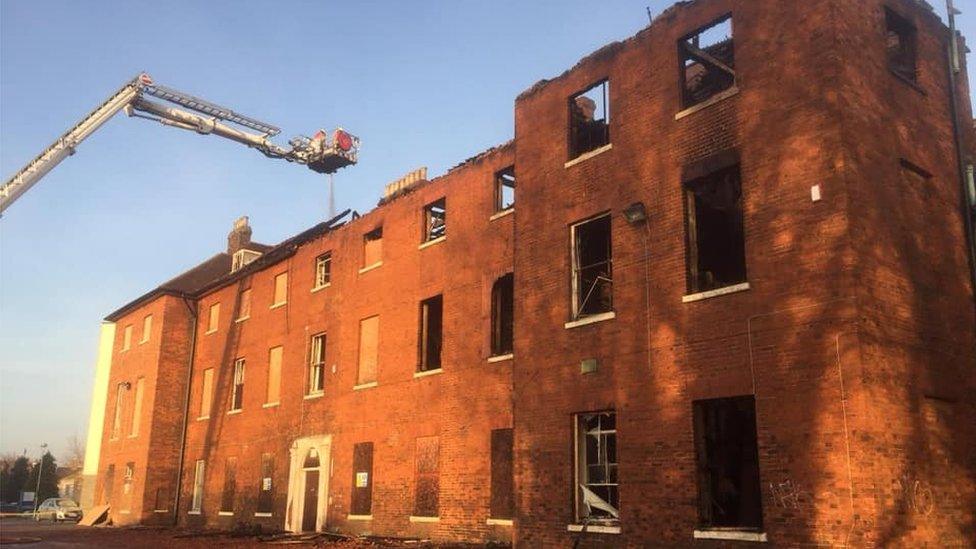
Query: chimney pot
x=240 y=236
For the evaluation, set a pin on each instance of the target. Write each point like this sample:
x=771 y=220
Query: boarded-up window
x=161 y=500
x=274 y=375
x=237 y=395
x=128 y=478
x=502 y=315
x=127 y=338
x=431 y=333
x=230 y=485
x=373 y=247
x=502 y=474
x=245 y=308
x=117 y=418
x=265 y=488
x=427 y=477
x=137 y=408
x=197 y=501
x=280 y=289
x=206 y=393
x=368 y=347
x=316 y=365
x=109 y=484
x=214 y=319
x=362 y=479
x=729 y=492
x=146 y=328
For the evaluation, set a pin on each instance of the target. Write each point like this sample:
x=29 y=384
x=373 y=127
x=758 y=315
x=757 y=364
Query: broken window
x=196 y=502
x=244 y=311
x=146 y=328
x=323 y=270
x=502 y=474
x=137 y=408
x=214 y=318
x=592 y=267
x=707 y=58
x=274 y=375
x=502 y=315
x=727 y=461
x=127 y=338
x=716 y=254
x=316 y=365
x=900 y=45
x=206 y=393
x=280 y=289
x=427 y=477
x=589 y=119
x=597 y=494
x=117 y=418
x=230 y=486
x=109 y=484
x=265 y=493
x=505 y=189
x=237 y=395
x=362 y=479
x=373 y=247
x=435 y=220
x=431 y=326
x=368 y=350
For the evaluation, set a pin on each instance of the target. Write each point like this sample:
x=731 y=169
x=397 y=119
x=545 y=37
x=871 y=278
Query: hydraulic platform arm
x=322 y=153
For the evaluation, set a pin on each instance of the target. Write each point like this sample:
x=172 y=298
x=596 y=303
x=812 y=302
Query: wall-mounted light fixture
x=635 y=213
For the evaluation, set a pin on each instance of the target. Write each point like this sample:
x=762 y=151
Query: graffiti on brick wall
x=917 y=494
x=788 y=495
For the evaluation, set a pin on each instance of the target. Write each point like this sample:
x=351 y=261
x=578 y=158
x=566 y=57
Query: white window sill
x=237 y=411
x=322 y=287
x=314 y=396
x=501 y=358
x=424 y=519
x=591 y=319
x=124 y=350
x=277 y=305
x=359 y=517
x=734 y=90
x=371 y=267
x=160 y=510
x=369 y=385
x=265 y=515
x=203 y=418
x=588 y=155
x=430 y=243
x=193 y=512
x=715 y=293
x=500 y=522
x=502 y=213
x=225 y=514
x=594 y=529
x=731 y=535
x=208 y=332
x=125 y=512
x=242 y=319
x=270 y=404
x=428 y=373
x=143 y=341
x=134 y=436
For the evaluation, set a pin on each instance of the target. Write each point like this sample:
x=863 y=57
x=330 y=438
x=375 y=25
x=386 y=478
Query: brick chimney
x=240 y=235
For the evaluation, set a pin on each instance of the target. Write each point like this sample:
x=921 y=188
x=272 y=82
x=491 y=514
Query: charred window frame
x=592 y=261
x=265 y=486
x=901 y=45
x=316 y=365
x=714 y=224
x=435 y=220
x=596 y=489
x=589 y=119
x=237 y=393
x=431 y=333
x=505 y=189
x=323 y=270
x=727 y=463
x=502 y=315
x=707 y=62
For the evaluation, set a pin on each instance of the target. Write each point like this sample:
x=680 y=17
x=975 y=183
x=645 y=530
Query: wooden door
x=310 y=514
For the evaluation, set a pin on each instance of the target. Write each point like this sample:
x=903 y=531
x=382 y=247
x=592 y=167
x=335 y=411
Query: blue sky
x=422 y=83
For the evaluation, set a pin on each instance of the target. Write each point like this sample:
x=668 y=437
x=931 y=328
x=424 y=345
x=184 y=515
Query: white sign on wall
x=362 y=480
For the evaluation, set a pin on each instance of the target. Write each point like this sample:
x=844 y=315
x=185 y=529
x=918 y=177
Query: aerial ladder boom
x=321 y=153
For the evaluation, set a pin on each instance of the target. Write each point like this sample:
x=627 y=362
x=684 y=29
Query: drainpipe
x=186 y=408
x=953 y=67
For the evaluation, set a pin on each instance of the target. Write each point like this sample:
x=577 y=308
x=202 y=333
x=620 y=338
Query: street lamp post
x=40 y=471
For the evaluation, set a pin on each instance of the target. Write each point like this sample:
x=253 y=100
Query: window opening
x=109 y=484
x=265 y=491
x=373 y=247
x=900 y=45
x=127 y=338
x=362 y=479
x=230 y=485
x=146 y=328
x=592 y=267
x=117 y=419
x=435 y=220
x=505 y=189
x=316 y=366
x=502 y=315
x=707 y=62
x=323 y=269
x=368 y=350
x=213 y=318
x=237 y=396
x=274 y=375
x=280 y=289
x=502 y=474
x=715 y=233
x=206 y=393
x=589 y=119
x=137 y=408
x=311 y=459
x=245 y=308
x=597 y=493
x=197 y=500
x=431 y=326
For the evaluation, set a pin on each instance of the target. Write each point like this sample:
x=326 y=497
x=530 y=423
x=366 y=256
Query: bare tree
x=74 y=454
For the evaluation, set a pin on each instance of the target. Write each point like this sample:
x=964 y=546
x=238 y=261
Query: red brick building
x=742 y=303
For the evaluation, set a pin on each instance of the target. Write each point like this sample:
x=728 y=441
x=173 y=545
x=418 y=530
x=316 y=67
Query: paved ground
x=17 y=532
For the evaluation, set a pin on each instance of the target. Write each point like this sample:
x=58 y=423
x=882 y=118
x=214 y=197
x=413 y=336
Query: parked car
x=58 y=509
x=9 y=507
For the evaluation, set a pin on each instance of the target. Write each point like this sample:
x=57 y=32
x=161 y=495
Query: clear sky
x=425 y=83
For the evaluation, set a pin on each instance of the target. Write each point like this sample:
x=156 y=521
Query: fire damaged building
x=717 y=289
